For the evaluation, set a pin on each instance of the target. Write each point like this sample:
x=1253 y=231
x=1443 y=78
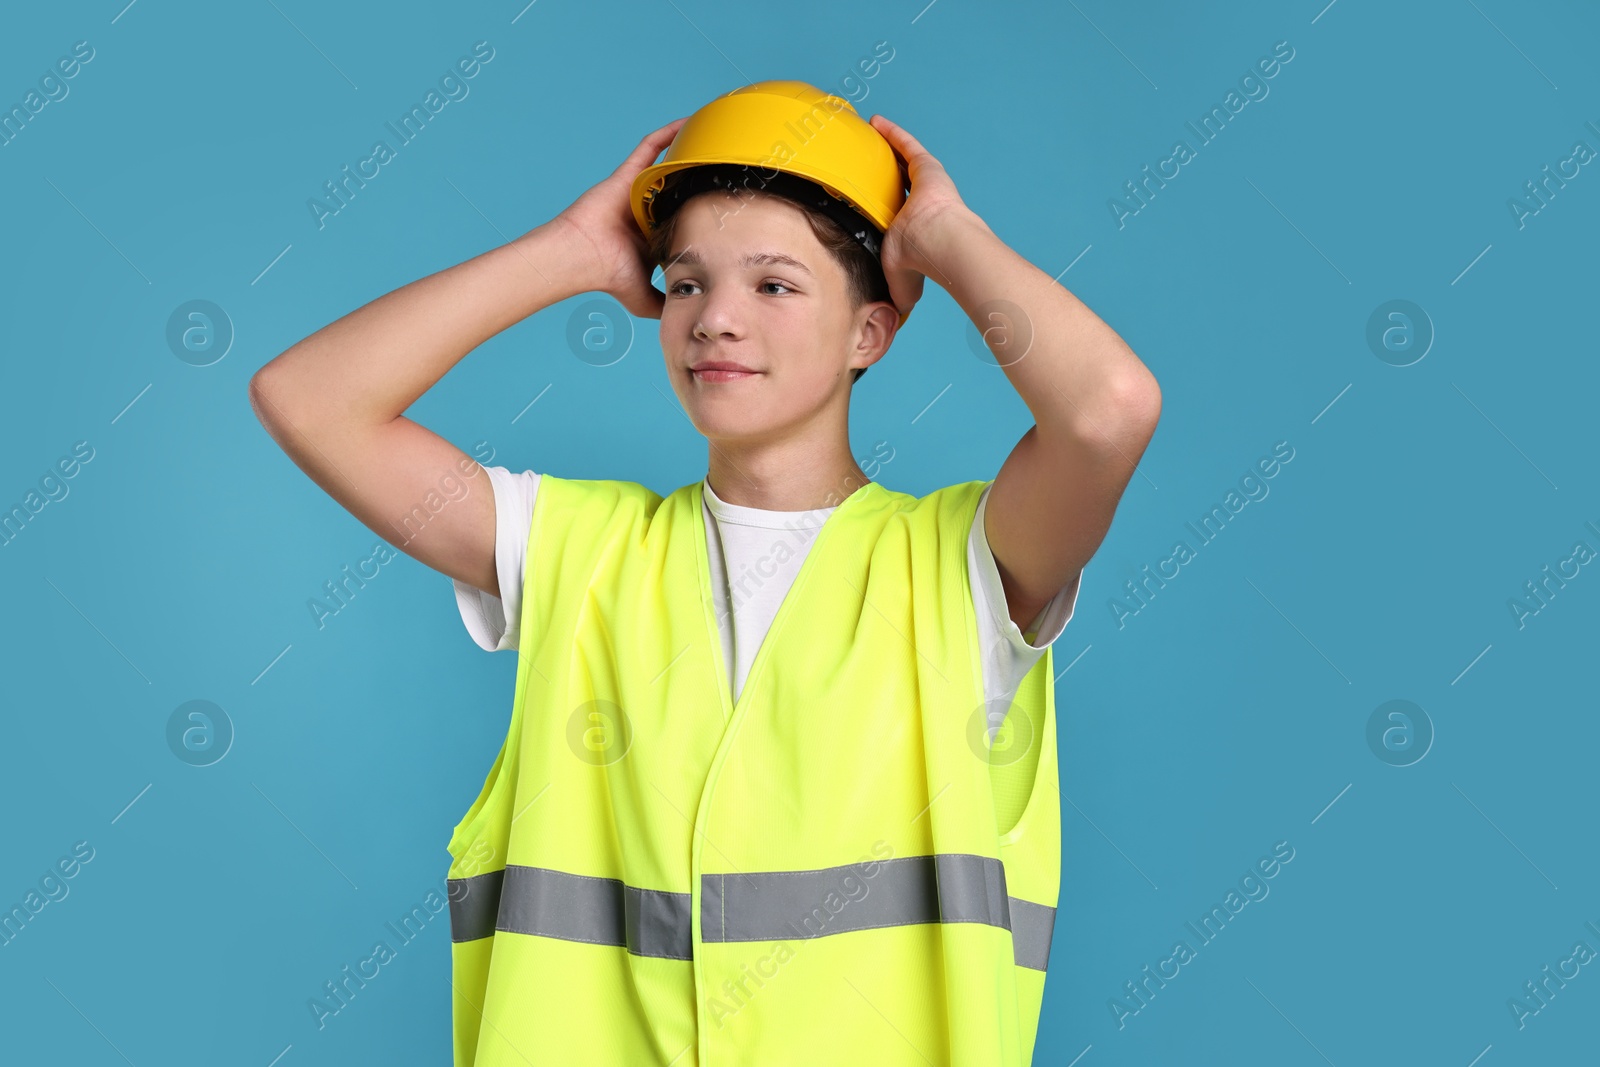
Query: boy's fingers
x=665 y=133
x=901 y=134
x=892 y=133
x=641 y=157
x=654 y=141
x=902 y=144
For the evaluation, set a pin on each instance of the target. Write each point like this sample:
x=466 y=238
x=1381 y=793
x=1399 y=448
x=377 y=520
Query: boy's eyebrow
x=692 y=258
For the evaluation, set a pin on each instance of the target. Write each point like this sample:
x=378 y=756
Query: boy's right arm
x=334 y=401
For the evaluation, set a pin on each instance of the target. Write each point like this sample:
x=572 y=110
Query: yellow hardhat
x=771 y=128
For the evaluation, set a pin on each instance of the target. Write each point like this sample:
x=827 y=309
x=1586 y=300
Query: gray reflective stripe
x=658 y=924
x=578 y=907
x=573 y=907
x=779 y=905
x=753 y=906
x=474 y=903
x=1032 y=926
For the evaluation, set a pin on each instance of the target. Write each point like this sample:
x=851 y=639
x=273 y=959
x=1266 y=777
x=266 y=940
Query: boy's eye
x=676 y=288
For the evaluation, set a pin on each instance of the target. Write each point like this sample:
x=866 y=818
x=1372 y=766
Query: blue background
x=1230 y=713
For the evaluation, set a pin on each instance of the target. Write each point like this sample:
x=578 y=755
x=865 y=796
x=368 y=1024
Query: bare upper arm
x=1053 y=501
x=410 y=486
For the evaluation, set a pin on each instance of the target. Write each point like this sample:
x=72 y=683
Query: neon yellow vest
x=653 y=874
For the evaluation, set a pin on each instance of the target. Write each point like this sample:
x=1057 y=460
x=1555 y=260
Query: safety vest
x=818 y=873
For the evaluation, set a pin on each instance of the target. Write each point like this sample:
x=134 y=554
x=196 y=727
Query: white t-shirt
x=749 y=577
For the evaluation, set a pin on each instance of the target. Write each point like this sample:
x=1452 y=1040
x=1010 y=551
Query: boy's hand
x=603 y=217
x=908 y=241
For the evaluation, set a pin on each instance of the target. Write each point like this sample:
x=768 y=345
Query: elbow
x=261 y=397
x=1132 y=404
x=1135 y=401
x=1124 y=419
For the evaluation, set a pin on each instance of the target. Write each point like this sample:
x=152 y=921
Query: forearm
x=372 y=364
x=1076 y=375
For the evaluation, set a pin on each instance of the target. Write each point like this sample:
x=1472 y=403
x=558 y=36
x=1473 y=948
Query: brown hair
x=864 y=279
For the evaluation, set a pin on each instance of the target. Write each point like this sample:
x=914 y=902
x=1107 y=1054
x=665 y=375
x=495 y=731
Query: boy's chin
x=727 y=422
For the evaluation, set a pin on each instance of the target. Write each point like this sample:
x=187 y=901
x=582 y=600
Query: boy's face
x=730 y=299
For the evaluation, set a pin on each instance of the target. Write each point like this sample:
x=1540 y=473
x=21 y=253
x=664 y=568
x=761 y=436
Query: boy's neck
x=749 y=483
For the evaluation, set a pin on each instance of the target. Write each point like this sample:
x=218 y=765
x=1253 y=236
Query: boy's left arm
x=1094 y=404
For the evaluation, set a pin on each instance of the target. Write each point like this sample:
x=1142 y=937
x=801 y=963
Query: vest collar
x=693 y=501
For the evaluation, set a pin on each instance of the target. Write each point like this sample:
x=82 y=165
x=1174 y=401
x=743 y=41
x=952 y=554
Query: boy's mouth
x=721 y=371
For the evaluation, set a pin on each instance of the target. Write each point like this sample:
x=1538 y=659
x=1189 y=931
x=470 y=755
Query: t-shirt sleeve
x=495 y=621
x=1008 y=652
x=1052 y=618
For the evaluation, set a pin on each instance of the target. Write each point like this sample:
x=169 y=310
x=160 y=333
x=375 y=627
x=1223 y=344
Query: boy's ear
x=878 y=329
